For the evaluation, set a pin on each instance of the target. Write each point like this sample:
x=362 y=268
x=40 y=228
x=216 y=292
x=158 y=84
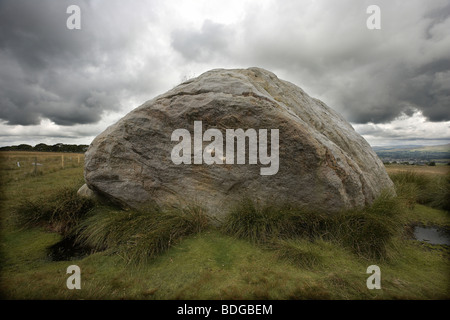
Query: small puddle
x=432 y=235
x=67 y=250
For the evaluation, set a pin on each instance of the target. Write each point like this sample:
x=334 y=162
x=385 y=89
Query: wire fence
x=17 y=165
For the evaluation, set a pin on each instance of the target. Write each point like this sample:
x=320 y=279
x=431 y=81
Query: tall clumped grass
x=60 y=211
x=136 y=235
x=255 y=222
x=139 y=235
x=413 y=187
x=367 y=232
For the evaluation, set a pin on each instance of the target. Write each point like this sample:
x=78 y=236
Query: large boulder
x=323 y=163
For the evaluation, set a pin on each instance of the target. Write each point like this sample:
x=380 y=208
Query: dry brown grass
x=429 y=170
x=15 y=154
x=48 y=162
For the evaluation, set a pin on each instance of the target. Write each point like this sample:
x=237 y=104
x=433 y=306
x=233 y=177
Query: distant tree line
x=42 y=147
x=417 y=155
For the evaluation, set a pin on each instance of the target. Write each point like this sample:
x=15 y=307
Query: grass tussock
x=413 y=187
x=136 y=235
x=367 y=232
x=255 y=222
x=60 y=211
x=139 y=235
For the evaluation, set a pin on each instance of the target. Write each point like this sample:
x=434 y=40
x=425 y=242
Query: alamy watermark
x=374 y=20
x=214 y=153
x=374 y=281
x=73 y=281
x=74 y=20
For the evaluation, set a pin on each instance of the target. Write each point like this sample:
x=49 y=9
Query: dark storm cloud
x=428 y=89
x=134 y=49
x=438 y=15
x=67 y=76
x=384 y=95
x=326 y=48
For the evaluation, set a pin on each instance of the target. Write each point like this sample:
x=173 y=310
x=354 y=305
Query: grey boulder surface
x=324 y=164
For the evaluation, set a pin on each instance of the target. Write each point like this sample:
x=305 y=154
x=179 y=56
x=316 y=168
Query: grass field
x=17 y=165
x=207 y=262
x=431 y=170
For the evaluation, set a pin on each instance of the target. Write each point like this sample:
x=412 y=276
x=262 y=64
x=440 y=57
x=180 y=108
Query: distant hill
x=414 y=153
x=42 y=147
x=410 y=153
x=440 y=148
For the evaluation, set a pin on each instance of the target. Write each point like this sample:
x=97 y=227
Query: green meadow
x=259 y=251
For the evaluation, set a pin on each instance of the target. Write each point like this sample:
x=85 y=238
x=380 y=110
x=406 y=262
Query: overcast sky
x=61 y=85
